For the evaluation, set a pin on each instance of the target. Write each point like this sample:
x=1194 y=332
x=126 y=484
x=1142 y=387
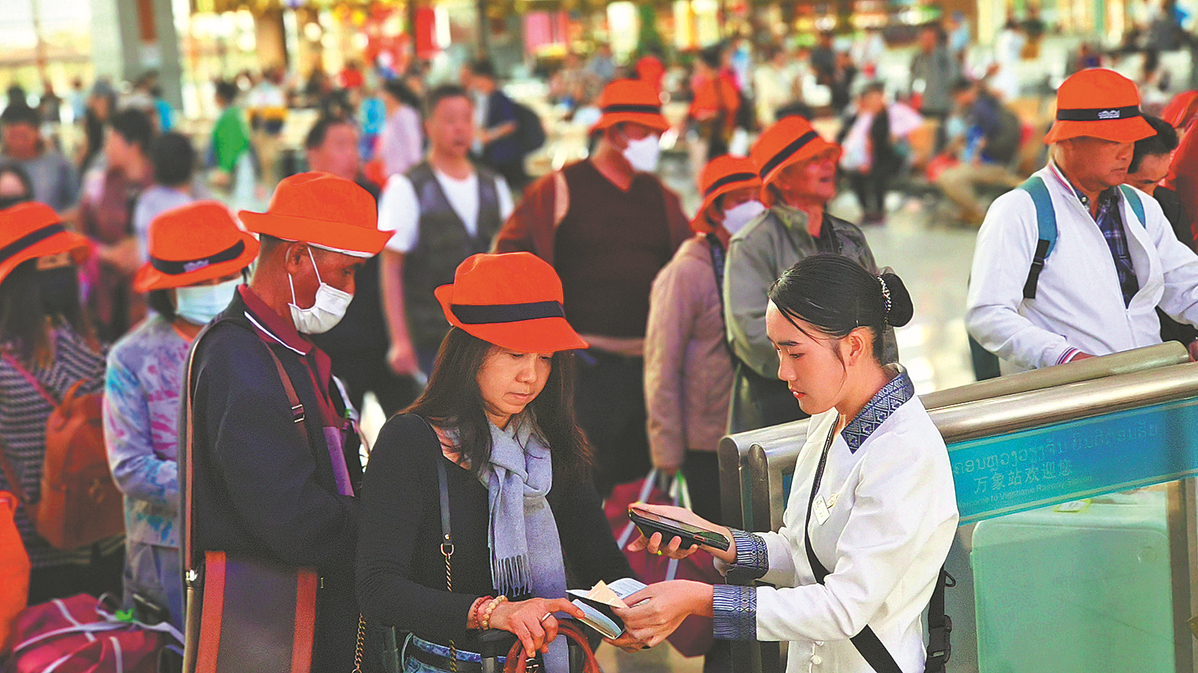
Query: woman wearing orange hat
x=47 y=345
x=197 y=255
x=493 y=443
x=798 y=170
x=688 y=373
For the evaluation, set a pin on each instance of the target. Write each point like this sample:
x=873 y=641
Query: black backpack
x=529 y=129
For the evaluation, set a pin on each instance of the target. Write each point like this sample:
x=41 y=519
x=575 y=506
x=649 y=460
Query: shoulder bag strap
x=1133 y=200
x=297 y=410
x=446 y=531
x=297 y=407
x=940 y=626
x=1046 y=225
x=866 y=642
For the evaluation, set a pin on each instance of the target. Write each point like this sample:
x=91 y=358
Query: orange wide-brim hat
x=512 y=300
x=324 y=210
x=789 y=141
x=31 y=230
x=1181 y=109
x=630 y=100
x=1098 y=103
x=720 y=176
x=194 y=243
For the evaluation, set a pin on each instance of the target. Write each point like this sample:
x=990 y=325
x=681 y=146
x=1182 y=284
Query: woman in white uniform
x=879 y=521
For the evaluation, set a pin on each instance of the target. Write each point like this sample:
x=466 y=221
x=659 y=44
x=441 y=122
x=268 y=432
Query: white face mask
x=199 y=304
x=643 y=153
x=737 y=217
x=328 y=310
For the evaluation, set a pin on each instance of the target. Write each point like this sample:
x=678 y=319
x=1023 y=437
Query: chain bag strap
x=446 y=532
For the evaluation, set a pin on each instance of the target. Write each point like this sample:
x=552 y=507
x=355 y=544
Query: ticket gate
x=1060 y=568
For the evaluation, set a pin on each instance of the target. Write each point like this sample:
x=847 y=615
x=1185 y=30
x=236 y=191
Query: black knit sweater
x=401 y=571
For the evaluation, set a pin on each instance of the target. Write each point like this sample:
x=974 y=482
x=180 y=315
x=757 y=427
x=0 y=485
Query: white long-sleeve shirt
x=1079 y=304
x=891 y=515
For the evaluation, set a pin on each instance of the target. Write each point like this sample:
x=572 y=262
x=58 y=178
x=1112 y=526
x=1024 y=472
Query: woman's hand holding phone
x=673 y=549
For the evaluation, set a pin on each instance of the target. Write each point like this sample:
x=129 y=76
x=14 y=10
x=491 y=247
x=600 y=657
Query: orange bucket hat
x=787 y=142
x=1098 y=103
x=324 y=210
x=194 y=243
x=720 y=176
x=630 y=100
x=513 y=300
x=31 y=230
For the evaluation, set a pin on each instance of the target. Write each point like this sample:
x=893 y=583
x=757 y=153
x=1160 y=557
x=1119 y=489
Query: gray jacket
x=757 y=256
x=938 y=72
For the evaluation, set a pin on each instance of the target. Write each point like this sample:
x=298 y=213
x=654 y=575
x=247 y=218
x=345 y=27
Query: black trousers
x=103 y=574
x=870 y=189
x=609 y=401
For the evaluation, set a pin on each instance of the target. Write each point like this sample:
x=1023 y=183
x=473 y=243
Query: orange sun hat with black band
x=324 y=211
x=194 y=243
x=719 y=177
x=31 y=230
x=512 y=300
x=1099 y=103
x=630 y=100
x=789 y=141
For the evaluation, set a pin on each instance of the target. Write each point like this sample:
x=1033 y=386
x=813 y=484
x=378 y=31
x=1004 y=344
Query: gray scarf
x=526 y=552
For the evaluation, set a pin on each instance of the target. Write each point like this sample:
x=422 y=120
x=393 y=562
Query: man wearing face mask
x=608 y=226
x=265 y=486
x=688 y=370
x=196 y=258
x=798 y=170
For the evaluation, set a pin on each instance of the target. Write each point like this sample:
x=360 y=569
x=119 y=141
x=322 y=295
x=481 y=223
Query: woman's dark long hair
x=453 y=400
x=835 y=295
x=25 y=318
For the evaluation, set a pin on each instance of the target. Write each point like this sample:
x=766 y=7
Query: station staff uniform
x=891 y=512
x=1079 y=304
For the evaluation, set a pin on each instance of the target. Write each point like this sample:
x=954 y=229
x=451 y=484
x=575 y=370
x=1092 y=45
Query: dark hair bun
x=901 y=309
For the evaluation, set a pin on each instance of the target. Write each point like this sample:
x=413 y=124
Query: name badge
x=820 y=510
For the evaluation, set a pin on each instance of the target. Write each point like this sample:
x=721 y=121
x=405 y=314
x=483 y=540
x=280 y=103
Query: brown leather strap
x=297 y=407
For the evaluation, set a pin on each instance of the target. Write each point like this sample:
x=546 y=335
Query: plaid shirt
x=1110 y=223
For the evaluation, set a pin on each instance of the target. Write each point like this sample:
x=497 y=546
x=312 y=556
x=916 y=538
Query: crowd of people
x=535 y=343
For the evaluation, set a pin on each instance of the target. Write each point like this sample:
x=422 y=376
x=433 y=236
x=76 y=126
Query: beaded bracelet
x=476 y=612
x=495 y=602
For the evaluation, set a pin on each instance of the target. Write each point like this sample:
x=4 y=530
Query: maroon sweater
x=607 y=249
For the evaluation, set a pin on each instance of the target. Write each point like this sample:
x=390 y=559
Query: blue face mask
x=199 y=304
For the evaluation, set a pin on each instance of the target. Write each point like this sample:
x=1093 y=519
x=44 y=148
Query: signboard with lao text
x=1045 y=466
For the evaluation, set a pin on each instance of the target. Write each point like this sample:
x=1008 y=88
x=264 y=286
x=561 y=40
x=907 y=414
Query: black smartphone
x=650 y=523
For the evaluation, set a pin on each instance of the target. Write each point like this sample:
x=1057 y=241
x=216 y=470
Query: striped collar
x=875 y=412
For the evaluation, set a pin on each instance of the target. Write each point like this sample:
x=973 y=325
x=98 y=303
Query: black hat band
x=727 y=180
x=642 y=109
x=37 y=236
x=1098 y=114
x=486 y=314
x=787 y=152
x=173 y=268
